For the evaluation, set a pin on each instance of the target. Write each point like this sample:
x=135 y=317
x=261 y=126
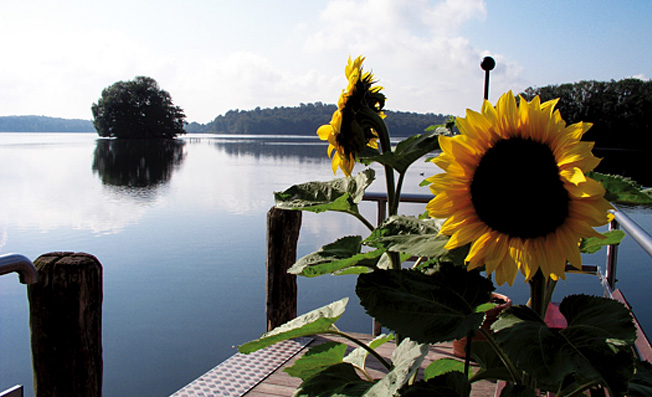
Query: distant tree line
x=44 y=124
x=621 y=111
x=304 y=120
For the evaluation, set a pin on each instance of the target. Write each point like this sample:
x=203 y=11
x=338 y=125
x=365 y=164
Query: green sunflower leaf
x=622 y=190
x=340 y=257
x=358 y=356
x=312 y=323
x=337 y=380
x=317 y=359
x=592 y=245
x=417 y=237
x=491 y=366
x=407 y=151
x=451 y=384
x=406 y=359
x=442 y=366
x=513 y=390
x=596 y=345
x=342 y=194
x=429 y=308
x=641 y=384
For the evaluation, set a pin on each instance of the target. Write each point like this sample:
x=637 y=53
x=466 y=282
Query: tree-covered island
x=137 y=109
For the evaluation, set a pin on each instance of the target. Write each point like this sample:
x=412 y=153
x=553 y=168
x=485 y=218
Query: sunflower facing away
x=514 y=186
x=348 y=133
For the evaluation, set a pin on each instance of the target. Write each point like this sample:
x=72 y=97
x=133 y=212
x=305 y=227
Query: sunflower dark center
x=516 y=189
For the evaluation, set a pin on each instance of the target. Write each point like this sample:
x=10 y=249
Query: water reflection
x=279 y=147
x=141 y=163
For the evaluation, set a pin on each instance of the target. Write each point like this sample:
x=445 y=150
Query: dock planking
x=278 y=383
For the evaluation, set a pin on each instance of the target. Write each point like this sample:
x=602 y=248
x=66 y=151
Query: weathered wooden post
x=66 y=325
x=281 y=288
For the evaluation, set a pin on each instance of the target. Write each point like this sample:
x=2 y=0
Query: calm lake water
x=180 y=231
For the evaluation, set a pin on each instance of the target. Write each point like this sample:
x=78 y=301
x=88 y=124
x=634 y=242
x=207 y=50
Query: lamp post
x=487 y=65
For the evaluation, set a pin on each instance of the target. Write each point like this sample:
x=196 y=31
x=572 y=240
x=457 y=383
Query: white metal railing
x=27 y=274
x=633 y=230
x=621 y=220
x=16 y=391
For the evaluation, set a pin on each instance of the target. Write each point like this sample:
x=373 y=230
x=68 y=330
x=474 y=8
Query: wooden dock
x=260 y=374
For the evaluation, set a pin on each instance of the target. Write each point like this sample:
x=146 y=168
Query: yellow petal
x=589 y=189
x=507 y=114
x=477 y=252
x=324 y=132
x=573 y=175
x=465 y=235
x=506 y=271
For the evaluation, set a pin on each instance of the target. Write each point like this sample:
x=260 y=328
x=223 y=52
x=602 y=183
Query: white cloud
x=244 y=80
x=415 y=49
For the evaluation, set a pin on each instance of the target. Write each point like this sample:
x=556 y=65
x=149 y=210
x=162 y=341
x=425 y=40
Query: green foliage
x=622 y=190
x=317 y=359
x=342 y=194
x=491 y=364
x=518 y=390
x=315 y=322
x=343 y=254
x=137 y=109
x=417 y=237
x=358 y=356
x=451 y=384
x=407 y=359
x=337 y=380
x=430 y=308
x=407 y=152
x=592 y=245
x=442 y=366
x=595 y=347
x=641 y=384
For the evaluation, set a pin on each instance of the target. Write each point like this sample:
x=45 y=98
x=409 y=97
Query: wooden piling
x=281 y=288
x=66 y=325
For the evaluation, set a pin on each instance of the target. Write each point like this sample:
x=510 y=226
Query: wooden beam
x=66 y=325
x=280 y=287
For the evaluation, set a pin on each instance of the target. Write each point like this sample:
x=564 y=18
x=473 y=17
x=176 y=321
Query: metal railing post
x=612 y=258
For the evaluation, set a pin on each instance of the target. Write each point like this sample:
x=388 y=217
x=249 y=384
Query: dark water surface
x=180 y=230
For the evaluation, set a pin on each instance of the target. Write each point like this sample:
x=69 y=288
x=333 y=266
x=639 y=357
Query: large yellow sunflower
x=346 y=135
x=515 y=187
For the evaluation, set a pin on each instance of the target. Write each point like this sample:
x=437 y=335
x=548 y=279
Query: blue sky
x=213 y=56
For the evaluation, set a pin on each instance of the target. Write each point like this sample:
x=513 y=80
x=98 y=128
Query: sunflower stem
x=364 y=220
x=538 y=294
x=392 y=197
x=550 y=289
x=399 y=186
x=363 y=345
x=467 y=354
x=513 y=371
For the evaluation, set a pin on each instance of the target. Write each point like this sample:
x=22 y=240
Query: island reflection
x=141 y=163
